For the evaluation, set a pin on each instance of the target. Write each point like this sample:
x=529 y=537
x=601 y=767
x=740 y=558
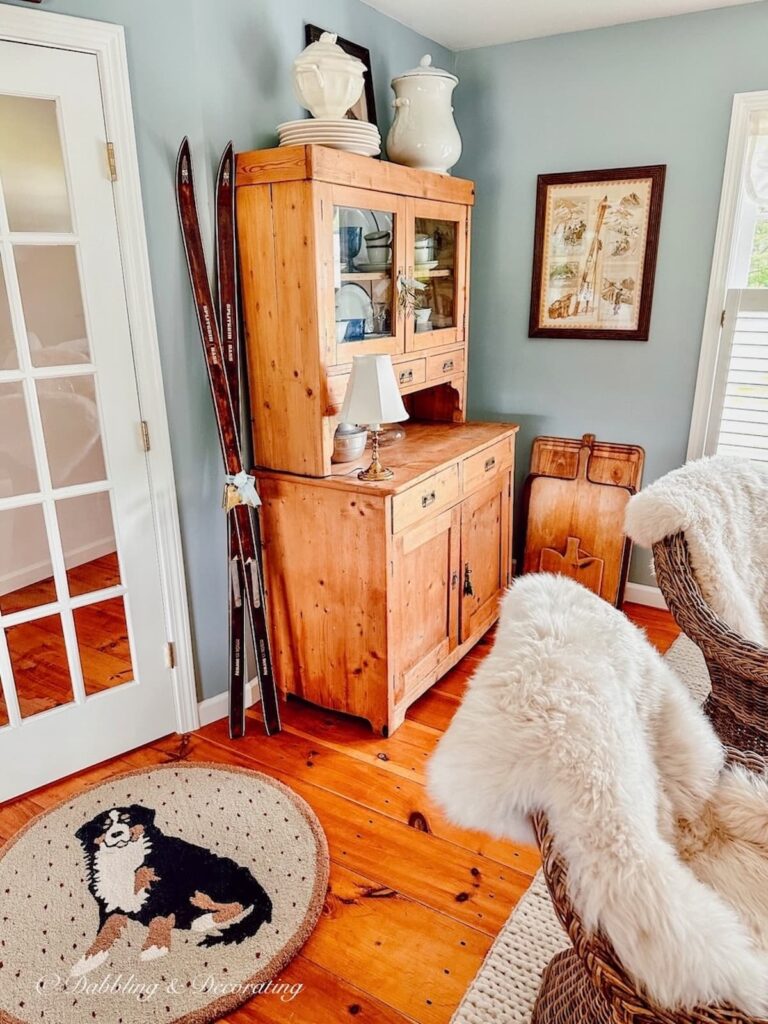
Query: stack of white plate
x=339 y=133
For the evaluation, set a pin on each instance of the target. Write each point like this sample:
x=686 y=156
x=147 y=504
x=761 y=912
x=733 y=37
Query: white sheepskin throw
x=721 y=505
x=575 y=713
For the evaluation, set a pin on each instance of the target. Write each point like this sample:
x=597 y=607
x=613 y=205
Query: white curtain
x=756 y=174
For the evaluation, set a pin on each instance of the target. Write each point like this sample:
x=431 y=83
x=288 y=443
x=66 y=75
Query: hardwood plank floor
x=414 y=903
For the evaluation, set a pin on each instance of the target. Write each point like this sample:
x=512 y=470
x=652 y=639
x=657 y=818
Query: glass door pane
x=434 y=268
x=365 y=300
x=32 y=165
x=437 y=269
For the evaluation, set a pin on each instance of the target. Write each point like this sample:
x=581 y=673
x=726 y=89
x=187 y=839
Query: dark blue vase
x=350 y=243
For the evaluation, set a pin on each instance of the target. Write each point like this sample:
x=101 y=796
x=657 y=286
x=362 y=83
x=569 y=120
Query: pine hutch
x=375 y=589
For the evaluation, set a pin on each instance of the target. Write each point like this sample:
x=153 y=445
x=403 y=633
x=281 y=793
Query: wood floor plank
x=324 y=998
x=404 y=799
x=423 y=977
x=435 y=709
x=406 y=753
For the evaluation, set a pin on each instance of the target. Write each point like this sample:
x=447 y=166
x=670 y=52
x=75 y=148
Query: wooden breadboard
x=575 y=497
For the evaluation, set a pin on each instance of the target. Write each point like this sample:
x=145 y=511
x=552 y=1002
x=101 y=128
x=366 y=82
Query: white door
x=82 y=624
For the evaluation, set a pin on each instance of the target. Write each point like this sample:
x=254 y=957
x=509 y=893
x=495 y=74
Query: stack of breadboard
x=575 y=497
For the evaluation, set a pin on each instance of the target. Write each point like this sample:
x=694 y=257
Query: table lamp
x=373 y=398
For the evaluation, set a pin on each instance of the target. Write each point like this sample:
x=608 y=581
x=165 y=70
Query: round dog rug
x=167 y=895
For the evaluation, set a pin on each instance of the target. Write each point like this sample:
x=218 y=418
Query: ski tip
x=224 y=175
x=184 y=163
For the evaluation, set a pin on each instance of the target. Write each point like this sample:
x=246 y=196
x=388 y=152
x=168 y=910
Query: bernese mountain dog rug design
x=166 y=896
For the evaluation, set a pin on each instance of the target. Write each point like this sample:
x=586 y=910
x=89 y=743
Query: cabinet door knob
x=469 y=590
x=428 y=499
x=406 y=376
x=490 y=463
x=447 y=365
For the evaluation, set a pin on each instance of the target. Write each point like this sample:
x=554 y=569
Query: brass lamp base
x=375 y=471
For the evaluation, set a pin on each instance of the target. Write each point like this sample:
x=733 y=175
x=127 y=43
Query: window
x=731 y=405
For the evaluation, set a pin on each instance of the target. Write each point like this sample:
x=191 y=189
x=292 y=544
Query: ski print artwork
x=595 y=253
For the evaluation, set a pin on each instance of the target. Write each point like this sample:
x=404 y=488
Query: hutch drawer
x=445 y=365
x=426 y=498
x=478 y=469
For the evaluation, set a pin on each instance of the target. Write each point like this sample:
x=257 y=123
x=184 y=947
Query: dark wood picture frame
x=655 y=173
x=311 y=35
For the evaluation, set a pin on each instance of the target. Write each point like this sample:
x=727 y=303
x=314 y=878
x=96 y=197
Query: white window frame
x=705 y=404
x=107 y=43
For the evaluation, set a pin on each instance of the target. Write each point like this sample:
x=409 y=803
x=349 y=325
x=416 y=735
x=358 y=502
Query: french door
x=82 y=624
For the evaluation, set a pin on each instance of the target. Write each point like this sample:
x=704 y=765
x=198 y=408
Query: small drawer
x=414 y=371
x=445 y=365
x=426 y=498
x=337 y=389
x=485 y=465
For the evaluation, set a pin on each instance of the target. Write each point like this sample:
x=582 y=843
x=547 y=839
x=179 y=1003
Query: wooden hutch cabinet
x=375 y=589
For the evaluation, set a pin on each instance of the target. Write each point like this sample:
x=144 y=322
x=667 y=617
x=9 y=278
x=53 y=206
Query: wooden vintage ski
x=227 y=315
x=241 y=501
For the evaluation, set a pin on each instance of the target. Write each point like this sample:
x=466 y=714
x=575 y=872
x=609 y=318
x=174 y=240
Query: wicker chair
x=738 y=668
x=587 y=984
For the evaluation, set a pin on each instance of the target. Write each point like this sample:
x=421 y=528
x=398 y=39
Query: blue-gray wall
x=650 y=92
x=217 y=70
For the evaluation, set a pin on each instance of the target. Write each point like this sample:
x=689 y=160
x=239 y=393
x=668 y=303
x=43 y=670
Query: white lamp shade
x=372 y=394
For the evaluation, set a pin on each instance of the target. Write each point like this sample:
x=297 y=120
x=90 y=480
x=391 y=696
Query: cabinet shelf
x=382 y=275
x=366 y=275
x=438 y=272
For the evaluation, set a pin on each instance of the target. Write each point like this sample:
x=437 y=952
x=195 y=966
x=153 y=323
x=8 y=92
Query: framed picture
x=594 y=253
x=365 y=108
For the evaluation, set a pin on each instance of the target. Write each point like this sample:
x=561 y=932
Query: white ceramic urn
x=327 y=81
x=424 y=133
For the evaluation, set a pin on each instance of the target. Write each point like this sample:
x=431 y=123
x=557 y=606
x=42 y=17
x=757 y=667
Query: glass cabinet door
x=436 y=273
x=367 y=245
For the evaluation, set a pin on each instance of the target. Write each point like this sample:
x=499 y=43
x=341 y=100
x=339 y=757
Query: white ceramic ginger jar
x=327 y=81
x=424 y=132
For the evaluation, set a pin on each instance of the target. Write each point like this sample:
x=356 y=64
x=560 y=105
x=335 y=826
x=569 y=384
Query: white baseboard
x=641 y=593
x=213 y=708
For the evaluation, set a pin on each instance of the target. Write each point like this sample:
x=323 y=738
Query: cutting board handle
x=585 y=454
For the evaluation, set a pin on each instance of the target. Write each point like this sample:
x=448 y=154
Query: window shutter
x=743 y=426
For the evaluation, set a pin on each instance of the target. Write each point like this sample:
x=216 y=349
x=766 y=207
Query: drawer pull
x=490 y=463
x=406 y=376
x=447 y=365
x=469 y=590
x=428 y=499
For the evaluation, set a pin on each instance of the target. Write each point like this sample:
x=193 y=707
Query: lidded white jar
x=424 y=133
x=327 y=81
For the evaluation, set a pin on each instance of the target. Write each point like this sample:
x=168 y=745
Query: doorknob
x=469 y=590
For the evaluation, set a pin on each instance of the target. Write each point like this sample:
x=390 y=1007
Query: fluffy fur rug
x=574 y=712
x=721 y=504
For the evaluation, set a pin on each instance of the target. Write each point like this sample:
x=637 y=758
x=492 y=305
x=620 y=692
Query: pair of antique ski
x=220 y=334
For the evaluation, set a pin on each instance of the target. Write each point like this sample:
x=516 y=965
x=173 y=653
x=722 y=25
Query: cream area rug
x=507 y=983
x=168 y=895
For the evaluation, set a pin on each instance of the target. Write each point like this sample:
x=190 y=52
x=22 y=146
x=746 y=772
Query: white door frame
x=107 y=43
x=744 y=103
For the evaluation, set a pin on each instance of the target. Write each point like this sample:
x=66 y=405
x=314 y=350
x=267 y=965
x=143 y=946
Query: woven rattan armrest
x=629 y=1005
x=717 y=640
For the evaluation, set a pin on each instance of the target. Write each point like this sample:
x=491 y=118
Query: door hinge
x=112 y=161
x=170 y=654
x=722 y=319
x=145 y=442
